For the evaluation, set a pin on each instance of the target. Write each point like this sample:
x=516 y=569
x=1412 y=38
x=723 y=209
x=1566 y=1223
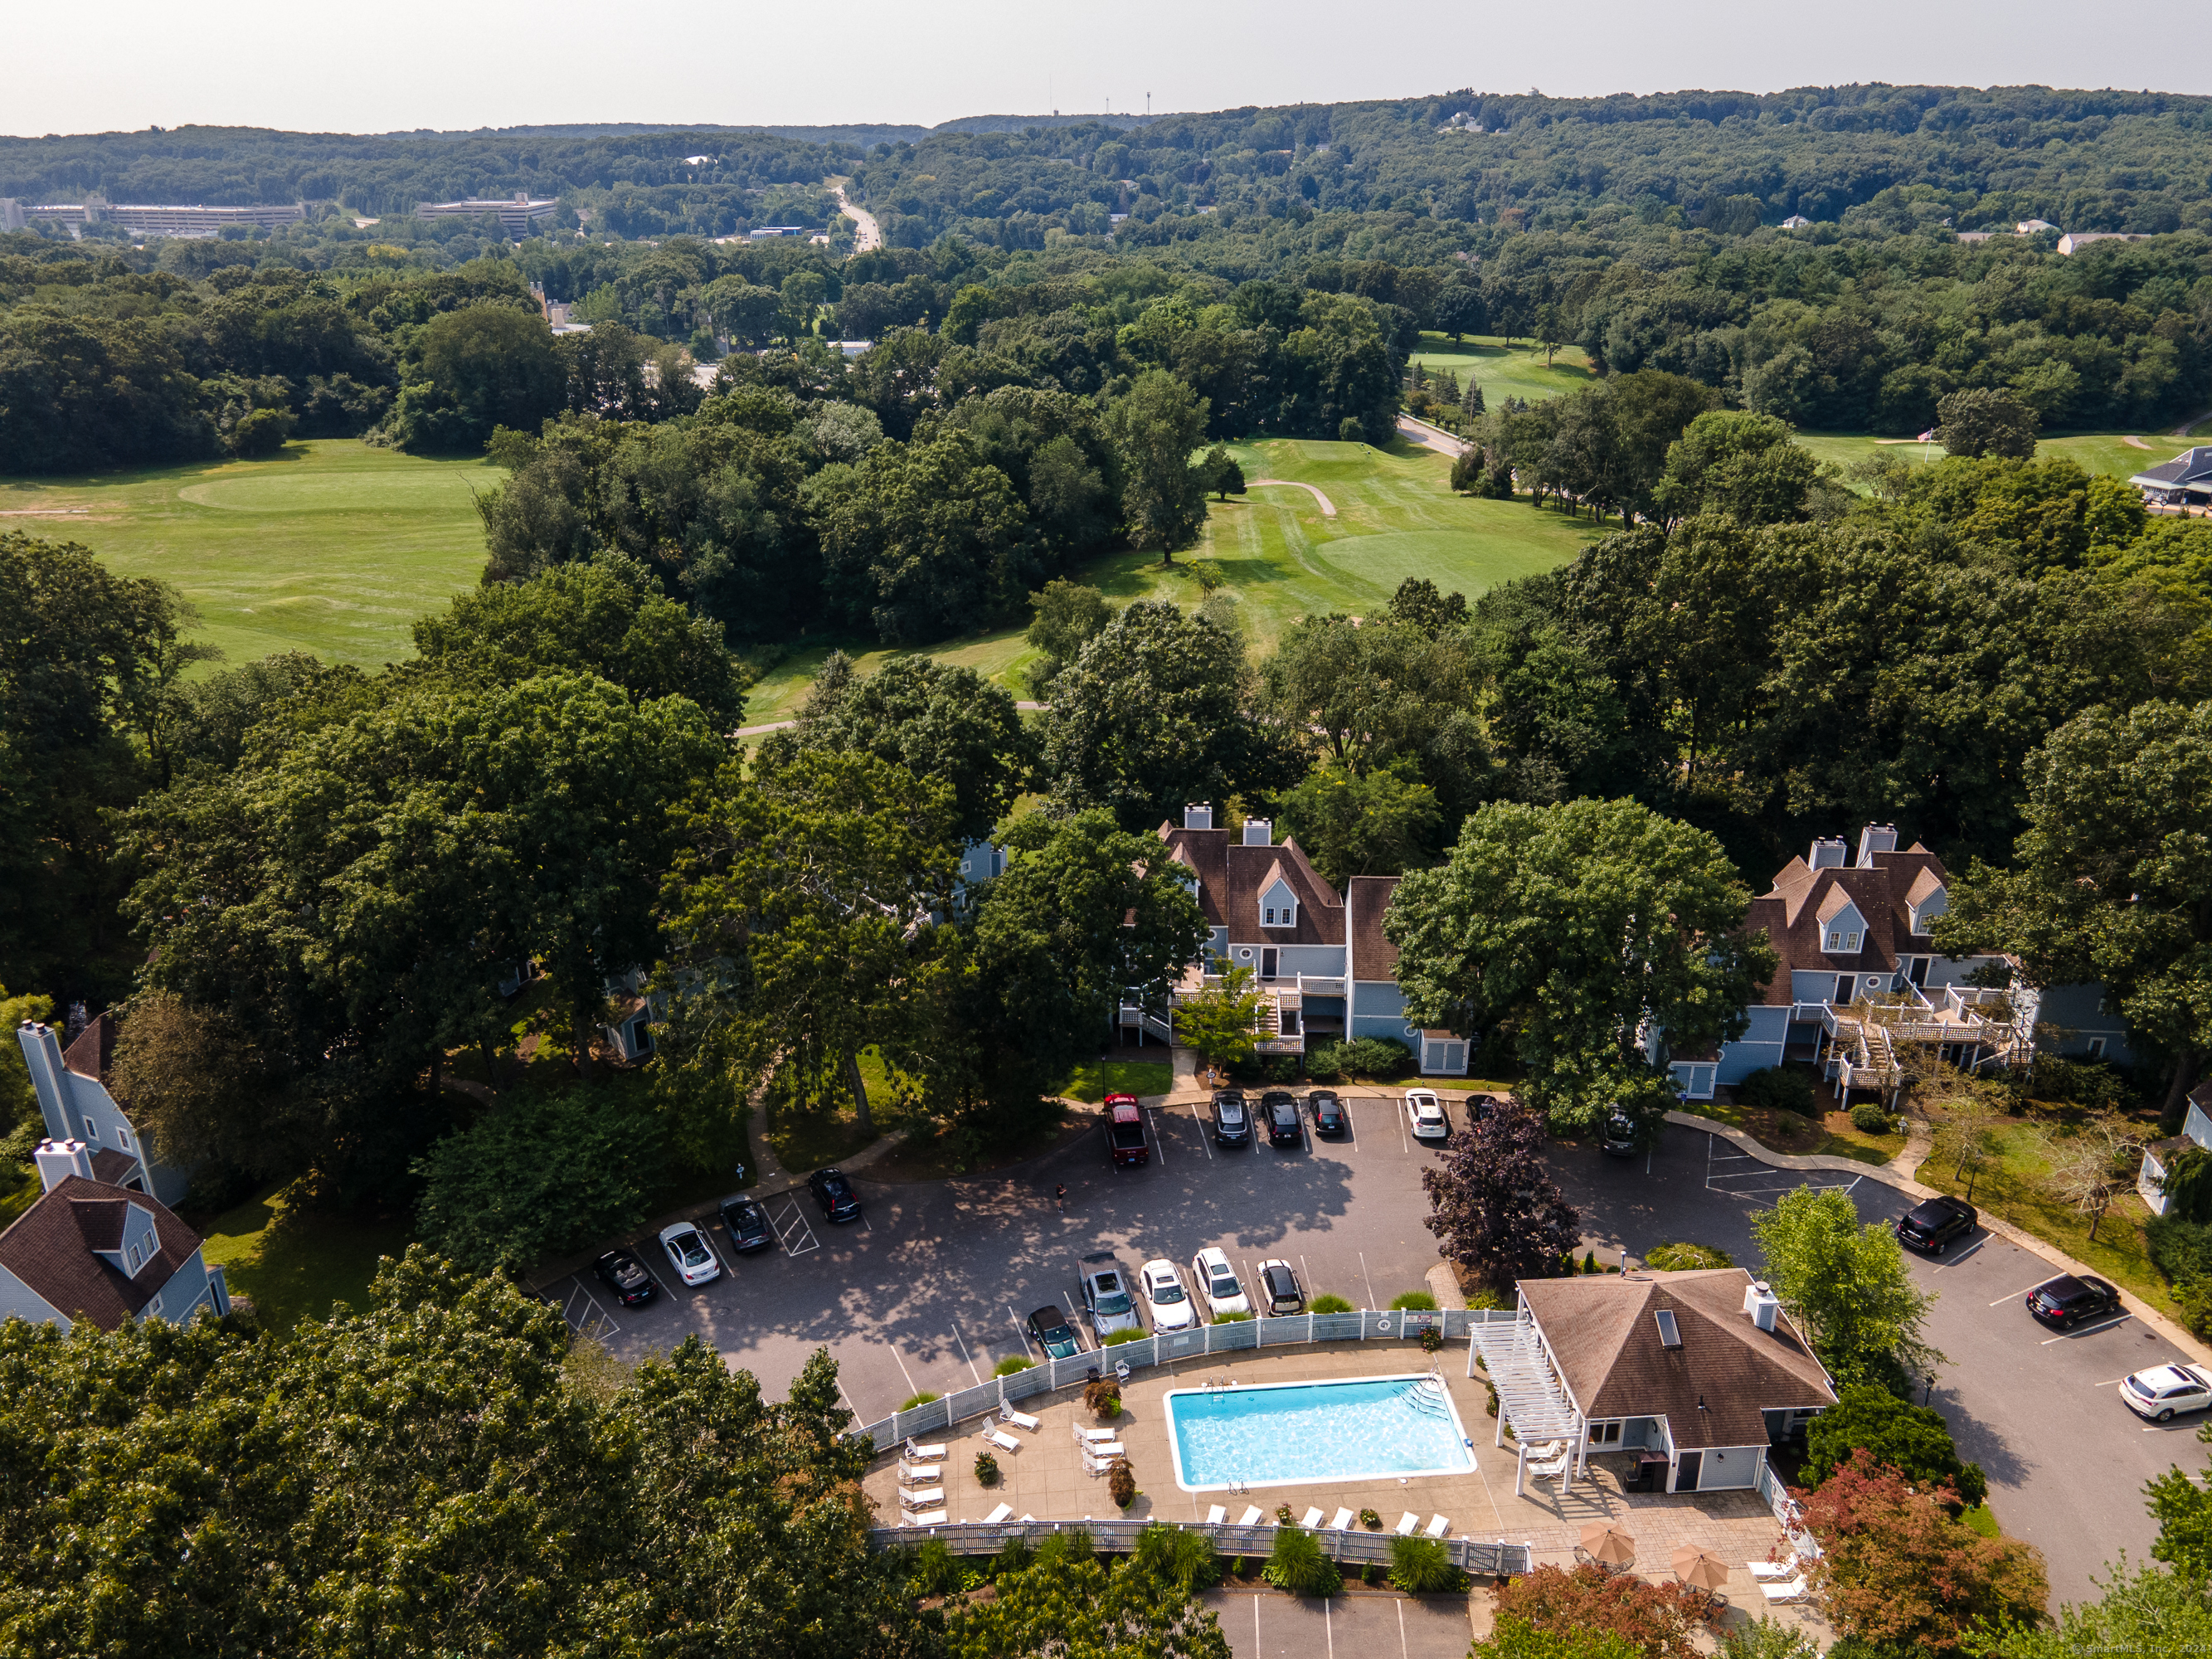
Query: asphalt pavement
x=931 y=1288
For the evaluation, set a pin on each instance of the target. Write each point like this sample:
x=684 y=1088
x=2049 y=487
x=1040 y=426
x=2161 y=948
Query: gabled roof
x=2191 y=467
x=1712 y=1389
x=1365 y=900
x=1793 y=913
x=93 y=1051
x=1231 y=877
x=50 y=1247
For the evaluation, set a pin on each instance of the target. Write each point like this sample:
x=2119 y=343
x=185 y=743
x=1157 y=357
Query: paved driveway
x=1361 y=1623
x=2066 y=1460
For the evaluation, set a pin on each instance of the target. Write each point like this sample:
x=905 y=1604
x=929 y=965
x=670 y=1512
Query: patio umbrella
x=1694 y=1566
x=1601 y=1543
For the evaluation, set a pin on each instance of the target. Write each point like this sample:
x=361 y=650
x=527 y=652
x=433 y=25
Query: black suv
x=2066 y=1301
x=747 y=1223
x=1933 y=1225
x=1232 y=1118
x=1279 y=1110
x=622 y=1273
x=834 y=1193
x=1329 y=1117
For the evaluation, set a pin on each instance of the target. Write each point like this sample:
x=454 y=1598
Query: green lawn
x=2106 y=453
x=1506 y=370
x=1093 y=1084
x=330 y=547
x=1396 y=517
x=295 y=1265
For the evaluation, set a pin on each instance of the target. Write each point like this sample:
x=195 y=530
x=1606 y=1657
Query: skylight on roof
x=1669 y=1335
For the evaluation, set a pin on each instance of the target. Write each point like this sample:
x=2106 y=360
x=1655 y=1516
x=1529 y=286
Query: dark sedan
x=1329 y=1117
x=1232 y=1118
x=747 y=1223
x=2065 y=1302
x=834 y=1193
x=1279 y=1110
x=1933 y=1225
x=1054 y=1334
x=625 y=1275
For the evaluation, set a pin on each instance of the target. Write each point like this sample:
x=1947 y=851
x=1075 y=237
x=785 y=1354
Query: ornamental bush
x=1423 y=1566
x=1869 y=1119
x=1299 y=1565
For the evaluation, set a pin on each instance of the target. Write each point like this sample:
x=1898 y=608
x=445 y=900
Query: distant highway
x=870 y=233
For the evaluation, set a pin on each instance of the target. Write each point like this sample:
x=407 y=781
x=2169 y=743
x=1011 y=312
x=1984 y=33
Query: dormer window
x=1279 y=915
x=1842 y=943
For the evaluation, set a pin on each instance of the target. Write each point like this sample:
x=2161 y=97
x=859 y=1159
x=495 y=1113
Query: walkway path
x=1328 y=507
x=779 y=725
x=870 y=233
x=1430 y=437
x=2190 y=424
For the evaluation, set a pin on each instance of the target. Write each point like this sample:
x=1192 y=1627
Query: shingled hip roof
x=50 y=1247
x=1711 y=1389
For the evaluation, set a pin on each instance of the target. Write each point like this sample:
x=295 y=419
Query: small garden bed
x=1829 y=1135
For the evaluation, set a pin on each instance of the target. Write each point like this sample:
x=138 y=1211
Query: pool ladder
x=1427 y=1396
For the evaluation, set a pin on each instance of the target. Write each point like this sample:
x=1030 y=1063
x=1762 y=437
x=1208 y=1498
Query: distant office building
x=762 y=232
x=144 y=219
x=516 y=215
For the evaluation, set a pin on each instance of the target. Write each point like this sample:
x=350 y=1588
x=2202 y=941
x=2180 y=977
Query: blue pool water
x=1296 y=1433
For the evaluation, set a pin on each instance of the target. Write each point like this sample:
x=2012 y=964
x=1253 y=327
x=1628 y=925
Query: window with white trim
x=1843 y=943
x=138 y=1257
x=1604 y=1434
x=122 y=1139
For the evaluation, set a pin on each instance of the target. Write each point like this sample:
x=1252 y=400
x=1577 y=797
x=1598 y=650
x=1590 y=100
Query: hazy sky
x=402 y=63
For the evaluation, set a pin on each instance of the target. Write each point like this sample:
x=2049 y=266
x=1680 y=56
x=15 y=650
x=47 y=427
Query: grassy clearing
x=295 y=1264
x=1829 y=1135
x=331 y=546
x=1506 y=369
x=2007 y=1184
x=1093 y=1083
x=2108 y=453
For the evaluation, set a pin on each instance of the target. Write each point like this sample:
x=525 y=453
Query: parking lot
x=2066 y=1461
x=931 y=1288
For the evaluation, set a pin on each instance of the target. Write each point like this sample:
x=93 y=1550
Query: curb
x=2002 y=1229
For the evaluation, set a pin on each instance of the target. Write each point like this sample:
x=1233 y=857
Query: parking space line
x=2015 y=1296
x=2107 y=1385
x=1020 y=1329
x=1367 y=1281
x=903 y=1372
x=1404 y=1143
x=595 y=1321
x=1404 y=1652
x=964 y=1354
x=2066 y=1336
x=791 y=1227
x=1160 y=1140
x=1202 y=1136
x=1327 y=1629
x=1962 y=1254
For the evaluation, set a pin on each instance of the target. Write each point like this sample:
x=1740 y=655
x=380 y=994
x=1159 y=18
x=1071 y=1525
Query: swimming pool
x=1289 y=1434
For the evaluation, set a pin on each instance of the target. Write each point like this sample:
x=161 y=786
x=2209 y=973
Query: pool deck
x=1045 y=1478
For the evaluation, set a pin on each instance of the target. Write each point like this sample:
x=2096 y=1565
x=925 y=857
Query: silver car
x=1107 y=1298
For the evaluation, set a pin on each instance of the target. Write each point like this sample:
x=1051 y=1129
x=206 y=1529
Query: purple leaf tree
x=1494 y=1206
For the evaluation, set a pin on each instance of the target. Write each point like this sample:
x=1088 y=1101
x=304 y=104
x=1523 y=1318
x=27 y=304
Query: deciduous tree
x=1846 y=1284
x=1155 y=426
x=1914 y=1440
x=1660 y=1621
x=1493 y=1205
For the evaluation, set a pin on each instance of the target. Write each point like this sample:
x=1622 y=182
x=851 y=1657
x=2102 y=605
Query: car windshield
x=1166 y=1291
x=1232 y=1110
x=1112 y=1302
x=1225 y=1282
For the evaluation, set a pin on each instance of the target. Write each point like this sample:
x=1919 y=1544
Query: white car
x=690 y=1254
x=1164 y=1297
x=2163 y=1391
x=1425 y=1112
x=1216 y=1282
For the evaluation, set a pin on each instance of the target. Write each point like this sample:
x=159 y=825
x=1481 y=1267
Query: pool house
x=1687 y=1377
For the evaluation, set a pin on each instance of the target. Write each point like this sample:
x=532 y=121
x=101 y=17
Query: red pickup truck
x=1125 y=1132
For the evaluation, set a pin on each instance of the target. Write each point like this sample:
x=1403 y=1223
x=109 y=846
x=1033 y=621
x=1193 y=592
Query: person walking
x=1059 y=1194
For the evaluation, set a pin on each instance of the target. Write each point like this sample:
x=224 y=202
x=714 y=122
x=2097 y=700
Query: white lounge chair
x=998 y=1515
x=1312 y=1519
x=923 y=1454
x=1082 y=1433
x=1437 y=1526
x=912 y=1472
x=1789 y=1590
x=1772 y=1573
x=1028 y=1518
x=1341 y=1522
x=921 y=1498
x=1407 y=1524
x=1251 y=1516
x=1002 y=1440
x=934 y=1518
x=1103 y=1451
x=1019 y=1419
x=1216 y=1516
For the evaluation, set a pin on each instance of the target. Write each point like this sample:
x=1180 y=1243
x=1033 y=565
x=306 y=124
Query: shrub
x=2179 y=1249
x=1658 y=1622
x=1869 y=1119
x=1116 y=1339
x=1778 y=1089
x=1299 y=1565
x=1423 y=1566
x=1371 y=1572
x=1487 y=1299
x=1432 y=1340
x=1681 y=1258
x=1325 y=1063
x=1283 y=1513
x=987 y=1469
x=536 y=1176
x=1371 y=1520
x=1013 y=1363
x=1378 y=1057
x=1184 y=1558
x=934 y=1572
x=1103 y=1399
x=1589 y=1262
x=1762 y=1639
x=1914 y=1440
x=924 y=1398
x=1012 y=1557
x=1063 y=1548
x=1231 y=1318
x=1121 y=1483
x=1349 y=431
x=1416 y=1301
x=1328 y=1304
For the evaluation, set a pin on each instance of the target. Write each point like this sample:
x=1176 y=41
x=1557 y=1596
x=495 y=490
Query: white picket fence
x=1364 y=1326
x=1351 y=1546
